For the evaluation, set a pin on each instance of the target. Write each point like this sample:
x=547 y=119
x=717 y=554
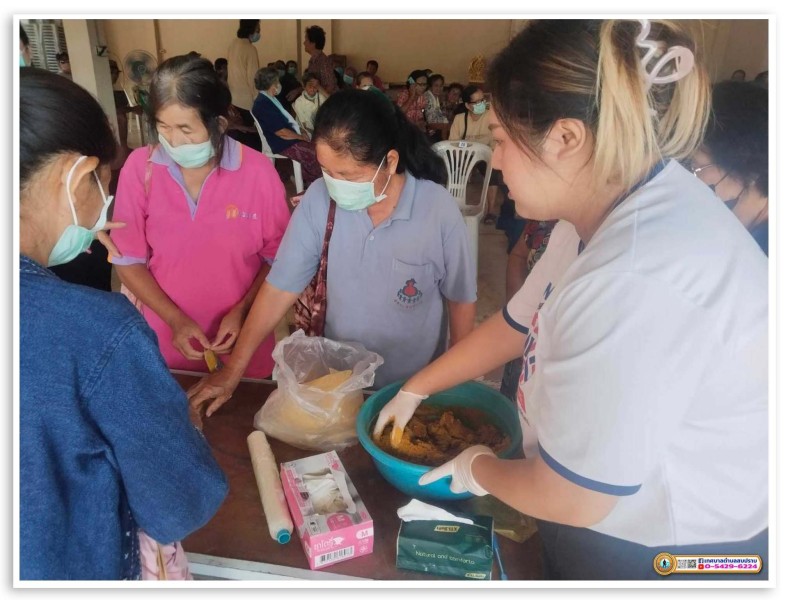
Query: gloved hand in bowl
x=460 y=471
x=399 y=410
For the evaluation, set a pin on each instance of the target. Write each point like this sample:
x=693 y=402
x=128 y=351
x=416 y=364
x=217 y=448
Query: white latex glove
x=399 y=410
x=460 y=471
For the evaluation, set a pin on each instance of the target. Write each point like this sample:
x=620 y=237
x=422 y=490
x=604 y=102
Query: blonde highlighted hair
x=592 y=71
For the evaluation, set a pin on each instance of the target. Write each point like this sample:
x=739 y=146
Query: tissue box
x=447 y=548
x=327 y=511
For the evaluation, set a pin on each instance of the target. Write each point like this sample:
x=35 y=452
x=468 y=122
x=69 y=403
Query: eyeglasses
x=697 y=170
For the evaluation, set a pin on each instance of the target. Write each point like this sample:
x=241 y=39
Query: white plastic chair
x=460 y=157
x=266 y=150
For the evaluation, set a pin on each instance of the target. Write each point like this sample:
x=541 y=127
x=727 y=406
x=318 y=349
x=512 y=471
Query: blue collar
x=231 y=157
x=404 y=208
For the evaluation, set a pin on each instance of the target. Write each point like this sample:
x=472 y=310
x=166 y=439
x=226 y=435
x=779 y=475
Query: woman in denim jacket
x=106 y=447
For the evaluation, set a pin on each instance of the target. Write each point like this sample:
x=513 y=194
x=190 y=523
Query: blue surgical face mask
x=76 y=239
x=339 y=70
x=189 y=156
x=354 y=195
x=291 y=70
x=280 y=72
x=348 y=79
x=254 y=38
x=479 y=108
x=22 y=62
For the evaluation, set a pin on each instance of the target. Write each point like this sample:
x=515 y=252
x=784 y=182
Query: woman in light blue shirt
x=398 y=254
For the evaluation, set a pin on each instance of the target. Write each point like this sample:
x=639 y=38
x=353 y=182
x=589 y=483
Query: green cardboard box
x=448 y=548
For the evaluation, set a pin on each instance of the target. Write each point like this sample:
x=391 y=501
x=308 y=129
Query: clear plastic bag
x=305 y=416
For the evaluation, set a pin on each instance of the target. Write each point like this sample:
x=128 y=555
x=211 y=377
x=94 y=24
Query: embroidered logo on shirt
x=233 y=212
x=409 y=294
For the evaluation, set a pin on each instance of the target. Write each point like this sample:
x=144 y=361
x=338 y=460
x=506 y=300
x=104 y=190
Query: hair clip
x=683 y=57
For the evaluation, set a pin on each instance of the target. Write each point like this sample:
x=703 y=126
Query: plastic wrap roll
x=269 y=485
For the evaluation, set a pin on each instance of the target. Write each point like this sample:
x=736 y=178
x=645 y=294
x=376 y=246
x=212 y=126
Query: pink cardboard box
x=327 y=511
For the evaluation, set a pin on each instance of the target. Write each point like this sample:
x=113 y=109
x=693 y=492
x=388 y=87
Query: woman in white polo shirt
x=644 y=391
x=398 y=253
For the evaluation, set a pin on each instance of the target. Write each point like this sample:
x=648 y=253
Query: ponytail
x=638 y=126
x=416 y=152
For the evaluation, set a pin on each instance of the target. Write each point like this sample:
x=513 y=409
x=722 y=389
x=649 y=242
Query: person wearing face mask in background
x=242 y=63
x=310 y=100
x=99 y=412
x=365 y=81
x=399 y=250
x=473 y=125
x=204 y=217
x=290 y=86
x=733 y=158
x=281 y=130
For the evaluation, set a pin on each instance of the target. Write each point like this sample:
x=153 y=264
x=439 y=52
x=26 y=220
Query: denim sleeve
x=172 y=481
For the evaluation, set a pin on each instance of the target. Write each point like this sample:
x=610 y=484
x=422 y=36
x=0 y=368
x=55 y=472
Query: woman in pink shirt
x=204 y=218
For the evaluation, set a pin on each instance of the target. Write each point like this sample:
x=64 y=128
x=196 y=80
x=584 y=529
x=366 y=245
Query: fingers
x=183 y=346
x=197 y=334
x=435 y=474
x=217 y=403
x=195 y=389
x=382 y=420
x=396 y=435
x=106 y=241
x=113 y=225
x=226 y=346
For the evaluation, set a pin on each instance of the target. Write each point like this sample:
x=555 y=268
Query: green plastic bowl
x=404 y=475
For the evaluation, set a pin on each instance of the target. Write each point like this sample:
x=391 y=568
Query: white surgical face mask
x=75 y=239
x=354 y=195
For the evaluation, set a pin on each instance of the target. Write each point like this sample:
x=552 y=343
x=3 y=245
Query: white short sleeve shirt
x=646 y=368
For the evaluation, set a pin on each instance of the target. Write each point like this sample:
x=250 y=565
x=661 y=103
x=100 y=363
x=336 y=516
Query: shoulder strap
x=464 y=133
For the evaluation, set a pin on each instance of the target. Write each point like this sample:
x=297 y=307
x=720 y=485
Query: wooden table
x=237 y=538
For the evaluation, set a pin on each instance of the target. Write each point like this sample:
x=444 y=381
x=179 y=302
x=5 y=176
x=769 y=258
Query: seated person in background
x=412 y=100
x=292 y=68
x=63 y=65
x=281 y=130
x=473 y=125
x=437 y=123
x=221 y=68
x=349 y=77
x=733 y=158
x=308 y=102
x=364 y=81
x=453 y=100
x=371 y=68
x=762 y=79
x=288 y=84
